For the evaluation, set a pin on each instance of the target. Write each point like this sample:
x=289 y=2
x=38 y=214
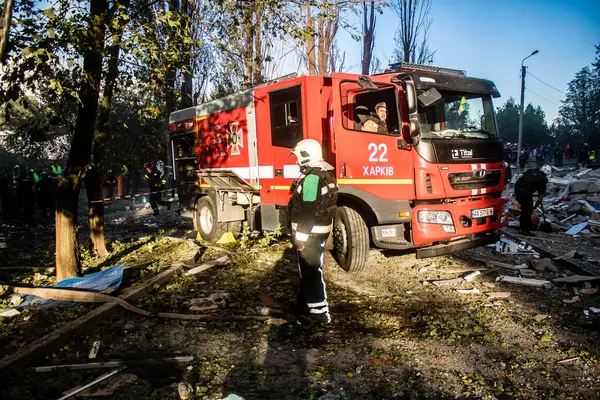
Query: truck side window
x=359 y=109
x=286 y=117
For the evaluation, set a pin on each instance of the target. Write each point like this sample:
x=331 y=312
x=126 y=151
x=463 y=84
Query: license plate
x=482 y=212
x=391 y=232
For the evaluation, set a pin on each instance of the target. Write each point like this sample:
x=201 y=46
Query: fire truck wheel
x=206 y=219
x=350 y=240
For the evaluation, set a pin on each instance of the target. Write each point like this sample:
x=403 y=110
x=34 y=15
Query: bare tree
x=412 y=34
x=322 y=20
x=368 y=25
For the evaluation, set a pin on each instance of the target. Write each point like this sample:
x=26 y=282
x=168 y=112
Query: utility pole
x=523 y=72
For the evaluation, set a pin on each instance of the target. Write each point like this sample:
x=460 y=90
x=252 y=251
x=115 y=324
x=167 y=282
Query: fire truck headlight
x=448 y=228
x=435 y=217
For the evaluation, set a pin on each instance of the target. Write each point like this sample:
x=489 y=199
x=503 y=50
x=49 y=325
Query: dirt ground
x=394 y=335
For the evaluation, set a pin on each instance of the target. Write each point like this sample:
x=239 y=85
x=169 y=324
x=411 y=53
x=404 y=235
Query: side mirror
x=429 y=97
x=411 y=96
x=366 y=83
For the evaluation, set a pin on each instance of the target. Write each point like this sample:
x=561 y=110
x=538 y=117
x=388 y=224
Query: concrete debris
x=524 y=281
x=540 y=317
x=527 y=273
x=541 y=264
x=9 y=312
x=567 y=256
x=185 y=390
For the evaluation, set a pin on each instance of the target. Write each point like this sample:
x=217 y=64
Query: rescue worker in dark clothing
x=156 y=181
x=46 y=191
x=523 y=158
x=5 y=194
x=532 y=181
x=312 y=210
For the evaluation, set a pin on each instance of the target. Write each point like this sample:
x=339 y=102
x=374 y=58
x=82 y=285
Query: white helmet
x=546 y=169
x=310 y=154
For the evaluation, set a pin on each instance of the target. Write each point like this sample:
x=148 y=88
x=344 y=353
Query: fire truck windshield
x=458 y=115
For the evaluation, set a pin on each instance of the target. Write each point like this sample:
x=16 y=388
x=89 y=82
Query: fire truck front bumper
x=467 y=219
x=458 y=245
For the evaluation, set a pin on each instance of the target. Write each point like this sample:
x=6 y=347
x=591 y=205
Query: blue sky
x=489 y=39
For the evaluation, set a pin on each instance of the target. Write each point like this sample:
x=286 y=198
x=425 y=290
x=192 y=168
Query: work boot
x=313 y=320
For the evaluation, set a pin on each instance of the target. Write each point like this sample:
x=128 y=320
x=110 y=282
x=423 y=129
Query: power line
x=550 y=86
x=542 y=97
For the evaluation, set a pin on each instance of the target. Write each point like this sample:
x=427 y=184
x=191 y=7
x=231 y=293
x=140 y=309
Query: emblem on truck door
x=235 y=138
x=462 y=153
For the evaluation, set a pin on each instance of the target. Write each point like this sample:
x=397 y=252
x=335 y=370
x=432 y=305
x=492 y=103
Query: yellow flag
x=461 y=107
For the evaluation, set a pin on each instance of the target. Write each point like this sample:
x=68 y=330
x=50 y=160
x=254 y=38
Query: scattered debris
x=541 y=264
x=108 y=387
x=73 y=392
x=185 y=390
x=588 y=291
x=448 y=282
x=468 y=291
x=219 y=261
x=276 y=321
x=568 y=360
x=470 y=277
x=9 y=312
x=577 y=228
x=94 y=350
x=595 y=310
x=575 y=279
x=498 y=295
x=572 y=300
x=527 y=273
x=567 y=256
x=541 y=317
x=524 y=281
x=492 y=263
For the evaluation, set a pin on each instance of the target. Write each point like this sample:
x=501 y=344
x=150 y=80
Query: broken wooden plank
x=498 y=295
x=500 y=264
x=575 y=279
x=470 y=277
x=54 y=340
x=524 y=281
x=447 y=282
x=468 y=291
x=568 y=360
x=566 y=256
x=115 y=364
x=196 y=270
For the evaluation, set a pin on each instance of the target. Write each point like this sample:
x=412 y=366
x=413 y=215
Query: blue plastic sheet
x=106 y=281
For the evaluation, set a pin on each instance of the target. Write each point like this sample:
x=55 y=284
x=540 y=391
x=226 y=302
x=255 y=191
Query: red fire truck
x=432 y=180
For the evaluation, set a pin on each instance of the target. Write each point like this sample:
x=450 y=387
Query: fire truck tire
x=351 y=240
x=206 y=219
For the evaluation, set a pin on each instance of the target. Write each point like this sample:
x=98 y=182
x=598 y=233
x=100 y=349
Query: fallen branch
x=114 y=364
x=567 y=360
x=91 y=297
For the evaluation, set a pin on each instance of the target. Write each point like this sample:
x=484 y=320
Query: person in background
x=532 y=181
x=156 y=182
x=312 y=209
x=523 y=157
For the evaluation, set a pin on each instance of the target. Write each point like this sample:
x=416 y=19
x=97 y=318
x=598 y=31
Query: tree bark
x=369 y=22
x=6 y=21
x=67 y=250
x=310 y=43
x=187 y=88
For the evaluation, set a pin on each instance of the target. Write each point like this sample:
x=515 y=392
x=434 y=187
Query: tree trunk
x=187 y=88
x=257 y=64
x=248 y=27
x=369 y=21
x=6 y=21
x=310 y=43
x=67 y=250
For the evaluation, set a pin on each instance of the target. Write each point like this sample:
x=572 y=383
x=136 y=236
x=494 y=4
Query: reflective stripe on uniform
x=316 y=228
x=301 y=237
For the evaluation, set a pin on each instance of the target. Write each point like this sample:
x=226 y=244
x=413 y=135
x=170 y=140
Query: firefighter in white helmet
x=312 y=210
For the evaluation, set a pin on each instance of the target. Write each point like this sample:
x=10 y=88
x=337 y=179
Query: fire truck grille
x=475 y=179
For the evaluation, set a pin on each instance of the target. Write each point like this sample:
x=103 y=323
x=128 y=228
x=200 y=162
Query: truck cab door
x=281 y=124
x=373 y=166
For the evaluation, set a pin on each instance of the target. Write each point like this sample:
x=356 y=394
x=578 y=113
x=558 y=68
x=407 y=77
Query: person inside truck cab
x=375 y=122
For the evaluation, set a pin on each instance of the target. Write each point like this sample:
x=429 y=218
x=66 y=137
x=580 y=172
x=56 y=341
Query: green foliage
x=535 y=127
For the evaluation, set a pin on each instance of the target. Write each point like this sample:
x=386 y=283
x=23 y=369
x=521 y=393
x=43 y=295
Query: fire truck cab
x=430 y=178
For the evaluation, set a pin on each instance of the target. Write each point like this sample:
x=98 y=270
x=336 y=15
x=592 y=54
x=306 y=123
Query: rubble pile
x=571 y=204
